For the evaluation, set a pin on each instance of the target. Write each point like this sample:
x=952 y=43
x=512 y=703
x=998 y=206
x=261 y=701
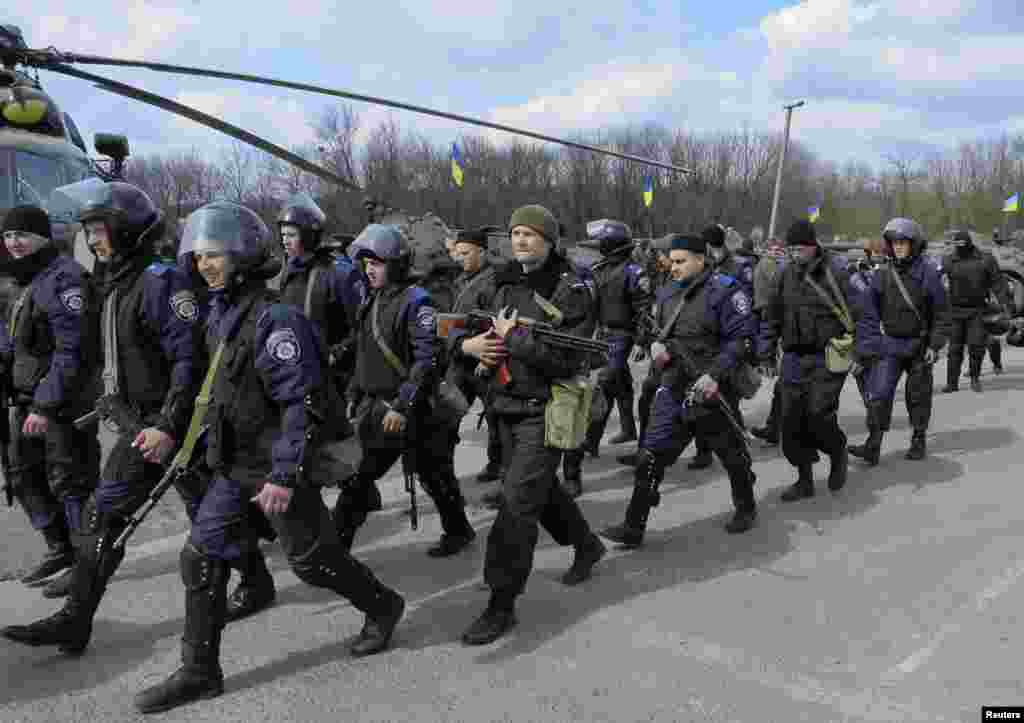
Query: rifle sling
x=906 y=295
x=844 y=314
x=199 y=412
x=386 y=350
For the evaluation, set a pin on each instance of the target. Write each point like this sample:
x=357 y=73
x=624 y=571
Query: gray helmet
x=904 y=228
x=130 y=215
x=222 y=227
x=301 y=211
x=609 y=234
x=384 y=243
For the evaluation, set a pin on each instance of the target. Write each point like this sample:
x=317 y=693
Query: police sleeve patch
x=741 y=302
x=426 y=318
x=283 y=346
x=73 y=300
x=185 y=306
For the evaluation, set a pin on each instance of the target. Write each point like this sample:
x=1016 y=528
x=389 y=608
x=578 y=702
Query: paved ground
x=894 y=600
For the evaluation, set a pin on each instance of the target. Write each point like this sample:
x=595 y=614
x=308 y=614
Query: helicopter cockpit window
x=36 y=176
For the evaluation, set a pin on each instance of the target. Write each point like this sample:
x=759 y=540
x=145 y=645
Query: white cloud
x=284 y=121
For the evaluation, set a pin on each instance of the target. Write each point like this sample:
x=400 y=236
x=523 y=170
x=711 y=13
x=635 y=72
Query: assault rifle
x=478 y=321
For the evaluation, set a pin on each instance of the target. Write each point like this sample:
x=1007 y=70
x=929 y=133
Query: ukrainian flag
x=648 y=190
x=814 y=213
x=457 y=165
x=1012 y=204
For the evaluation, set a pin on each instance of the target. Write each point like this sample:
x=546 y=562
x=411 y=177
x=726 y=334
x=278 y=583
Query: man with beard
x=52 y=466
x=901 y=331
x=809 y=313
x=705 y=321
x=267 y=414
x=149 y=346
x=539 y=284
x=971 y=274
x=394 y=385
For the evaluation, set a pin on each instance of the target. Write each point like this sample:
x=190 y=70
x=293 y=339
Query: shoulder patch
x=73 y=300
x=426 y=318
x=159 y=268
x=741 y=302
x=185 y=306
x=726 y=279
x=283 y=346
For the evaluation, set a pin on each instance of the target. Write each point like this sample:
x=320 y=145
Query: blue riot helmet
x=132 y=219
x=609 y=235
x=903 y=229
x=228 y=228
x=385 y=243
x=302 y=211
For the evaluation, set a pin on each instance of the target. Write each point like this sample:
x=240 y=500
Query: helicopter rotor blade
x=209 y=121
x=46 y=58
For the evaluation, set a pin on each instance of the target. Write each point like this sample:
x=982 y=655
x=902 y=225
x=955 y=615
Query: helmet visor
x=222 y=230
x=68 y=202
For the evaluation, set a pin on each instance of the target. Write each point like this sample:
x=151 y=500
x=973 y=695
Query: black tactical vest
x=615 y=308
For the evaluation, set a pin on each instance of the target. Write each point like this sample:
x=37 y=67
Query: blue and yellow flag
x=813 y=214
x=1012 y=204
x=648 y=190
x=456 y=165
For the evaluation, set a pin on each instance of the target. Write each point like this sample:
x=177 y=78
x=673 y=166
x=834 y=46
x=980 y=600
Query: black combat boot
x=587 y=554
x=871 y=450
x=200 y=675
x=839 y=465
x=495 y=621
x=743 y=501
x=458 y=533
x=572 y=468
x=59 y=555
x=803 y=487
x=648 y=476
x=380 y=623
x=255 y=590
x=917 y=445
x=70 y=628
x=953 y=365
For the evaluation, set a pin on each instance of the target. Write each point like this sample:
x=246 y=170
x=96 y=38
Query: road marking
x=921 y=656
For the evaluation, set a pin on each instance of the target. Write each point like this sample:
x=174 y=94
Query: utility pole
x=782 y=163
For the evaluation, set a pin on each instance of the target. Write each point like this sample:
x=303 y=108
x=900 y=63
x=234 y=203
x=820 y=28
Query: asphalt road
x=893 y=600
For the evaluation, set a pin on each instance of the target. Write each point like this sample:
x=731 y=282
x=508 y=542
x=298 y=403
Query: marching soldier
x=267 y=414
x=809 y=313
x=51 y=467
x=623 y=295
x=741 y=268
x=539 y=284
x=971 y=274
x=901 y=331
x=149 y=341
x=474 y=289
x=394 y=386
x=707 y=320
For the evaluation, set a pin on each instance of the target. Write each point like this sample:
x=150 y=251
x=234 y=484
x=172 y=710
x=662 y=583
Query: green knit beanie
x=538 y=218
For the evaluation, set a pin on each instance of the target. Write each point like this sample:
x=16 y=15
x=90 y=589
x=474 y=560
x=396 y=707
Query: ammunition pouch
x=567 y=413
x=839 y=353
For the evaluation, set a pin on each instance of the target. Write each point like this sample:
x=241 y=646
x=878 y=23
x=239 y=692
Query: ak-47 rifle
x=694 y=372
x=478 y=322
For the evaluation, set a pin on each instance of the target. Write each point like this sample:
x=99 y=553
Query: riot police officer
x=474 y=289
x=972 y=274
x=394 y=386
x=740 y=268
x=623 y=294
x=267 y=415
x=809 y=313
x=148 y=343
x=901 y=331
x=52 y=467
x=708 y=321
x=539 y=284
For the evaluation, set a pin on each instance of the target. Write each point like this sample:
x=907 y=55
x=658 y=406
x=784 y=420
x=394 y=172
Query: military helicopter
x=42 y=124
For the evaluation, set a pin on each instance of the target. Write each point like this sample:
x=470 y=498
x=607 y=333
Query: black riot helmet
x=385 y=243
x=132 y=219
x=227 y=228
x=610 y=235
x=301 y=211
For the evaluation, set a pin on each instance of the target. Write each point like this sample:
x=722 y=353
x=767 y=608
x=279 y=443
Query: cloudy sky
x=879 y=76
